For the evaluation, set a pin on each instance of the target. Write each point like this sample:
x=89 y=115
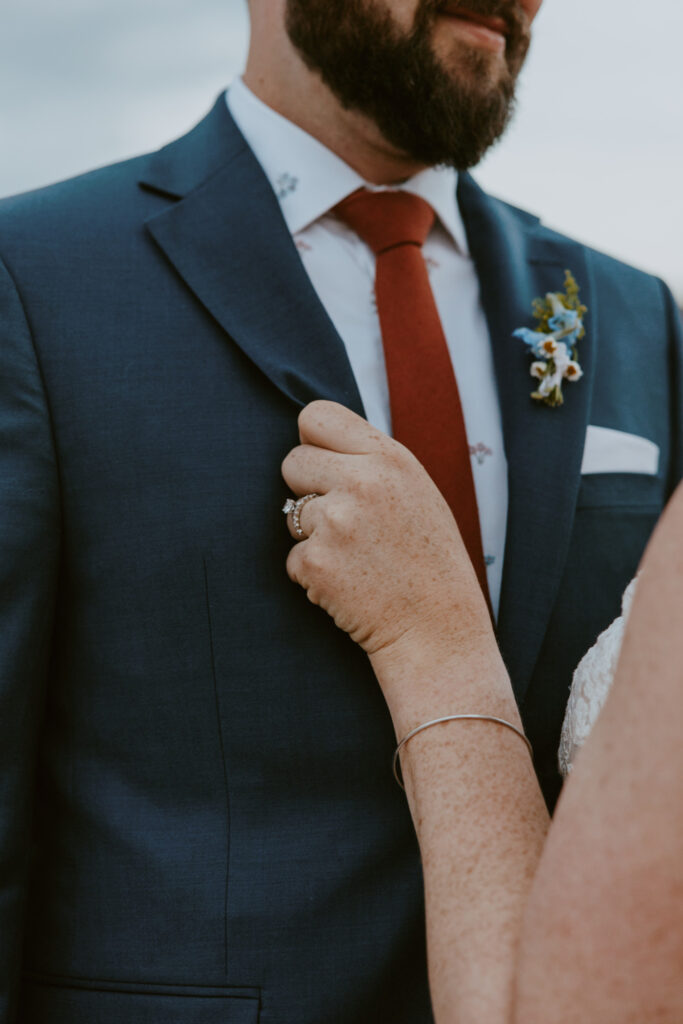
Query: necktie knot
x=385 y=220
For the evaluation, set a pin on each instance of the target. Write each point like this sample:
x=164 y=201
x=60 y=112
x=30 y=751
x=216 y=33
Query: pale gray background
x=596 y=147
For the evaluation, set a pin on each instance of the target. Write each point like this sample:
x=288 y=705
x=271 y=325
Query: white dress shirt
x=309 y=180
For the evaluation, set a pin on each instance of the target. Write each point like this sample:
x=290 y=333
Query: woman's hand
x=383 y=555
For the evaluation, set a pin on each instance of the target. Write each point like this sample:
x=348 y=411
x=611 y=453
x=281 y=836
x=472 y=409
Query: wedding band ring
x=293 y=507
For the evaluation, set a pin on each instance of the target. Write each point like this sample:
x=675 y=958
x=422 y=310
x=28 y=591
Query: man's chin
x=477 y=71
x=474 y=57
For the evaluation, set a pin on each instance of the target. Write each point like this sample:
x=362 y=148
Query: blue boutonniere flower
x=553 y=343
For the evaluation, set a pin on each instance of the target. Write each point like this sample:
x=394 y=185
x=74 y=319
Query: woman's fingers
x=308 y=470
x=339 y=450
x=333 y=426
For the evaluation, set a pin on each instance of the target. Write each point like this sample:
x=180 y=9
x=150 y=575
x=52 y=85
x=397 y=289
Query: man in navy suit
x=198 y=821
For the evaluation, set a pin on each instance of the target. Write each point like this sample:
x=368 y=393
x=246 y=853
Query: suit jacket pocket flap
x=58 y=1002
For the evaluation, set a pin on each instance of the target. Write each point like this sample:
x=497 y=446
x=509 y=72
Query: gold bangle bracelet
x=453 y=718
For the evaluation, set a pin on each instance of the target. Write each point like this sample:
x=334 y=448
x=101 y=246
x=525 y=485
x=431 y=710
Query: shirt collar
x=309 y=179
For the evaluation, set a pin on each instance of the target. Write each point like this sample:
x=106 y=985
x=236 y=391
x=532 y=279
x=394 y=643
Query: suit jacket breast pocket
x=615 y=516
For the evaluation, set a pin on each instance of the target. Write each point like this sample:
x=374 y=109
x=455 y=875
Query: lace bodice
x=590 y=686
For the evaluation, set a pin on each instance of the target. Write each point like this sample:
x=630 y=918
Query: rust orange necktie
x=426 y=412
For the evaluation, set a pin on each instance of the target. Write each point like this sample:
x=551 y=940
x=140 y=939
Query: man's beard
x=429 y=112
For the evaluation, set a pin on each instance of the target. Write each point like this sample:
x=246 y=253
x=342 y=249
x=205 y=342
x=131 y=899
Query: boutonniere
x=553 y=343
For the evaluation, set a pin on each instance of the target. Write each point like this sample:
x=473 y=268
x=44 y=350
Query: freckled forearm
x=481 y=823
x=479 y=816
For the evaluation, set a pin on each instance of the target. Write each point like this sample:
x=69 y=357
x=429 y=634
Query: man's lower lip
x=486 y=37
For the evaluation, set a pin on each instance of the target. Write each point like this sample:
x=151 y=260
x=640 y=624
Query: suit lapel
x=226 y=237
x=517 y=260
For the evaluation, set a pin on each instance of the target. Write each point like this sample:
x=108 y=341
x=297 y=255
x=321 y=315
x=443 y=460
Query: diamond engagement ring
x=293 y=507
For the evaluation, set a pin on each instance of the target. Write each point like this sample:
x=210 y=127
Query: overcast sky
x=596 y=147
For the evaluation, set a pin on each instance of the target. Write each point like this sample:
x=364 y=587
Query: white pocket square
x=615 y=451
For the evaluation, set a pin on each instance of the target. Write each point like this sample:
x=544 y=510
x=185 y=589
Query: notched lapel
x=518 y=260
x=228 y=241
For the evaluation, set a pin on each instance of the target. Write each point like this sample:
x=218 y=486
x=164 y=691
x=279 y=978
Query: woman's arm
x=385 y=559
x=603 y=933
x=480 y=821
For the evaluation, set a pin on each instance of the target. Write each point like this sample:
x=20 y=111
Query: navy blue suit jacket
x=198 y=821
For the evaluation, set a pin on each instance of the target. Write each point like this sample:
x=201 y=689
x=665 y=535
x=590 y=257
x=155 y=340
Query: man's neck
x=302 y=97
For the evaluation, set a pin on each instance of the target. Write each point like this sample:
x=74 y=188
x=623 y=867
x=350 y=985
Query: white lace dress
x=590 y=686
